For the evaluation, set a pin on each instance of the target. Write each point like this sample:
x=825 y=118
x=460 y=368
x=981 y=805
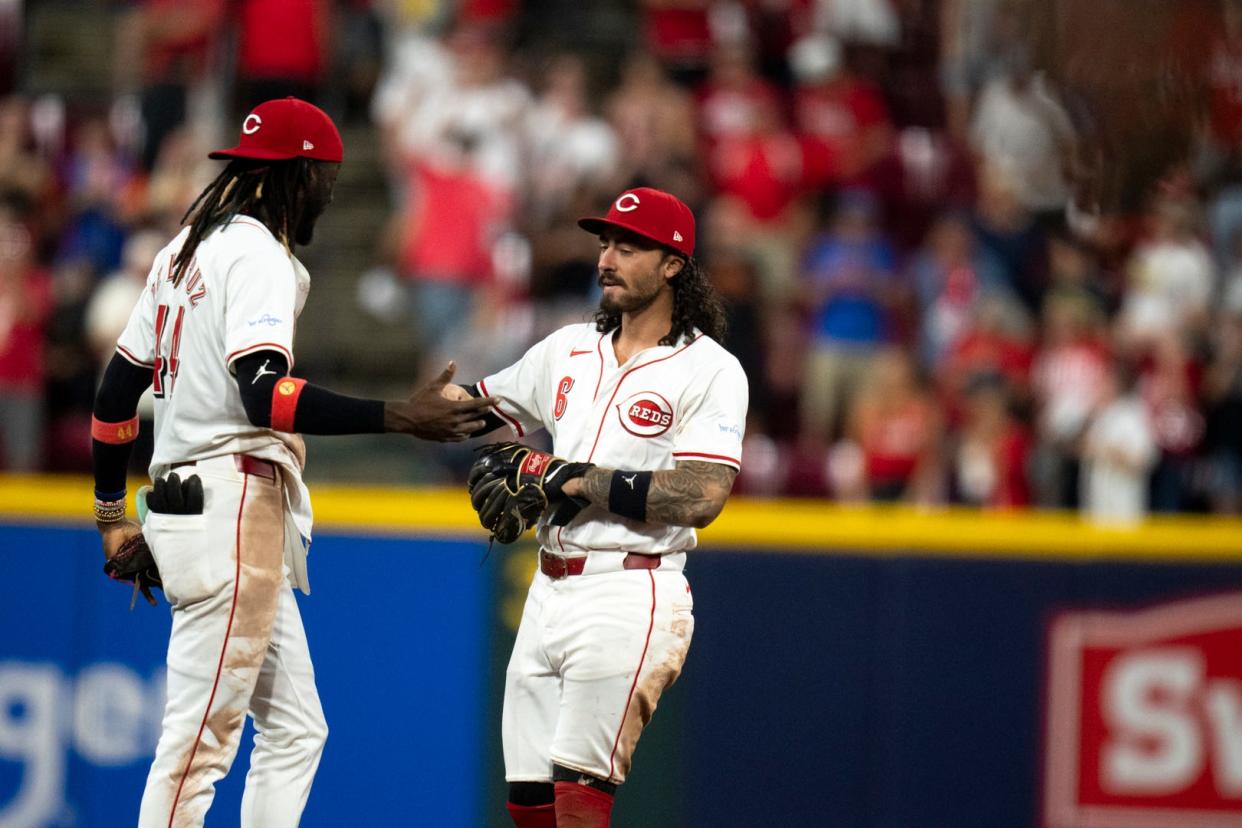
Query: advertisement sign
x=1144 y=717
x=397 y=630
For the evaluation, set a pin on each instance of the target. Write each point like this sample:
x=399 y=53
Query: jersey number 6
x=166 y=369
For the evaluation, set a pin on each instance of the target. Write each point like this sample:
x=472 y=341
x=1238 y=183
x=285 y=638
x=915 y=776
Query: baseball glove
x=134 y=564
x=511 y=485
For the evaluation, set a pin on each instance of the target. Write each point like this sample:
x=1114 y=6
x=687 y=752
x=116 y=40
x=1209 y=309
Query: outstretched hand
x=431 y=414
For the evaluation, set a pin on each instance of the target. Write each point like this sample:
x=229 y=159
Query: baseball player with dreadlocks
x=646 y=411
x=229 y=517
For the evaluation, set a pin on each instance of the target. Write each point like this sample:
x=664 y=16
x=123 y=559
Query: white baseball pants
x=237 y=646
x=592 y=656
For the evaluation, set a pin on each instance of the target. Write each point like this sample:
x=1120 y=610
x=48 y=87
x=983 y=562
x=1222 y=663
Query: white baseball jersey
x=242 y=293
x=663 y=405
x=237 y=644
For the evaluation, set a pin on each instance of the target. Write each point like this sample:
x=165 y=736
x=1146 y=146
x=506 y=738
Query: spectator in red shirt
x=897 y=425
x=735 y=97
x=990 y=463
x=284 y=48
x=25 y=304
x=997 y=345
x=679 y=33
x=845 y=114
x=447 y=231
x=763 y=165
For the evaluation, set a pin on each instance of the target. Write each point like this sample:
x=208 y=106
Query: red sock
x=578 y=806
x=533 y=816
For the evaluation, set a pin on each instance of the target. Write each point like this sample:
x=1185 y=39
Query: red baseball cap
x=286 y=128
x=653 y=214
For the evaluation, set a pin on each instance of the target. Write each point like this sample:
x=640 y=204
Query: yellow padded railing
x=814 y=527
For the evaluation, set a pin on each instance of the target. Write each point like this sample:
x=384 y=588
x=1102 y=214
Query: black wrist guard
x=627 y=496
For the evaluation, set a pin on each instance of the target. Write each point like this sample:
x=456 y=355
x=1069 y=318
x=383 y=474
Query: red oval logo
x=645 y=414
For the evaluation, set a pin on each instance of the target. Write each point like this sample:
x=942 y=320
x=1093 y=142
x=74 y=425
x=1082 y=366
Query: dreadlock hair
x=271 y=191
x=695 y=305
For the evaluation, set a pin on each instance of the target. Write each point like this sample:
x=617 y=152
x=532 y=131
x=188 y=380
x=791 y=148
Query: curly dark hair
x=695 y=305
x=271 y=191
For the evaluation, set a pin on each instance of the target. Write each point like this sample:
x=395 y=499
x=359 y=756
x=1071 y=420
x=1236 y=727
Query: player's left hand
x=511 y=485
x=129 y=559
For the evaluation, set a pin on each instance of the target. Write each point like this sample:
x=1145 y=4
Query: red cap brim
x=266 y=155
x=596 y=225
x=237 y=152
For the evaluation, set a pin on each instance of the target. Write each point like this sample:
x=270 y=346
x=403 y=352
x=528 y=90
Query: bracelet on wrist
x=109 y=511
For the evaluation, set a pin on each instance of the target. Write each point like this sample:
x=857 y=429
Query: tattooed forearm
x=690 y=495
x=595 y=485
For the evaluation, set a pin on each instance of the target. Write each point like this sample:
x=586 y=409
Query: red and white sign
x=1144 y=718
x=645 y=414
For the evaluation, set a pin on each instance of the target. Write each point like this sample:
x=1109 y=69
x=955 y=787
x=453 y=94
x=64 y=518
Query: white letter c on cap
x=624 y=205
x=247 y=128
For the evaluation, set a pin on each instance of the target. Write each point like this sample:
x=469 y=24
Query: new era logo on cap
x=653 y=214
x=286 y=128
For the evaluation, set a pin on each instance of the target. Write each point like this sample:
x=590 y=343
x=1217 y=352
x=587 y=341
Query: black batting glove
x=173 y=496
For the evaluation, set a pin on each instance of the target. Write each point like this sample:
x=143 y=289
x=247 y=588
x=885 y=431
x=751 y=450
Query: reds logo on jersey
x=645 y=414
x=562 y=402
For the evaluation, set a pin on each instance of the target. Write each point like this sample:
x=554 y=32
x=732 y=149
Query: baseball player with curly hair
x=646 y=412
x=229 y=516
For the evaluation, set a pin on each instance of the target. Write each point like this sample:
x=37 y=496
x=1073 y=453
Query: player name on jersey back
x=240 y=294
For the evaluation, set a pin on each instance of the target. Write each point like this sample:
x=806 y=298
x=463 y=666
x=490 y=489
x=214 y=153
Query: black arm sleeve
x=491 y=420
x=116 y=401
x=319 y=410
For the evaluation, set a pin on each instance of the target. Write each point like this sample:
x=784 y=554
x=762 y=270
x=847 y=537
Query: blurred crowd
x=927 y=308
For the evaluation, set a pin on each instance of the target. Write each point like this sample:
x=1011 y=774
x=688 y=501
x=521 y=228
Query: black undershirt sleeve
x=319 y=411
x=491 y=420
x=256 y=376
x=115 y=402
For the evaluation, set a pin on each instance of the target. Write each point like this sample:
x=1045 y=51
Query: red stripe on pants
x=223 y=648
x=637 y=673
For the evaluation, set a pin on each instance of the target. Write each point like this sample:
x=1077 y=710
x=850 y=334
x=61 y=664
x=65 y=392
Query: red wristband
x=285 y=396
x=115 y=434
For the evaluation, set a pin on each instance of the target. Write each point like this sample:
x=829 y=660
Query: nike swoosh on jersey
x=579 y=353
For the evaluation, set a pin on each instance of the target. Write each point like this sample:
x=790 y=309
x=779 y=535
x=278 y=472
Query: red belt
x=556 y=567
x=246 y=465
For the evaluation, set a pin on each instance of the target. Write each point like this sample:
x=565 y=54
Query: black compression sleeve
x=491 y=420
x=256 y=375
x=318 y=411
x=321 y=411
x=116 y=401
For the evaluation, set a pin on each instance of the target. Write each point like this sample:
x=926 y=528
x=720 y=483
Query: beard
x=304 y=232
x=316 y=195
x=631 y=300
